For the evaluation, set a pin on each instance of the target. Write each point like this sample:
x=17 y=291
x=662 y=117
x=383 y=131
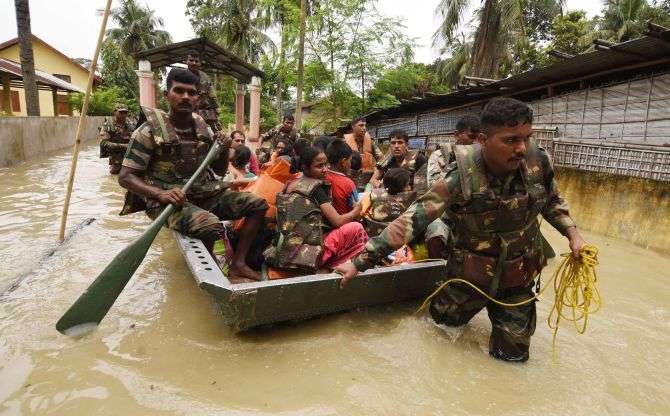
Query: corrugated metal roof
x=45 y=80
x=646 y=51
x=215 y=58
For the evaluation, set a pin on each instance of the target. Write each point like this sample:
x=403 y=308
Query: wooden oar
x=87 y=312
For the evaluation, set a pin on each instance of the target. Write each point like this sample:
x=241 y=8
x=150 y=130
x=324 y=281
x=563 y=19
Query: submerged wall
x=23 y=138
x=633 y=209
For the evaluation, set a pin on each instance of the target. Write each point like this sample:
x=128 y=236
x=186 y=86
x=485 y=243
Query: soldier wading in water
x=114 y=138
x=493 y=195
x=165 y=152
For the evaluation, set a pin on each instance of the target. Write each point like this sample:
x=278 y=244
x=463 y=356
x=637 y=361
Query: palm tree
x=451 y=71
x=301 y=64
x=621 y=20
x=500 y=24
x=138 y=28
x=27 y=59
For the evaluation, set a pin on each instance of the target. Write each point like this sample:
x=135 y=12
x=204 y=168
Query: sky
x=72 y=26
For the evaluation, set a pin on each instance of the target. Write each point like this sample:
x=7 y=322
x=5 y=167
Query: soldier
x=361 y=142
x=467 y=131
x=493 y=195
x=114 y=137
x=399 y=156
x=164 y=153
x=207 y=107
x=269 y=139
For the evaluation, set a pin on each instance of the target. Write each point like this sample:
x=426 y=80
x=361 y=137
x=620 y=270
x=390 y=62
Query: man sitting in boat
x=164 y=153
x=399 y=156
x=493 y=195
x=312 y=234
x=362 y=143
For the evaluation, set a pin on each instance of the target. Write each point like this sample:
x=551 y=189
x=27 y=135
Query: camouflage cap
x=120 y=107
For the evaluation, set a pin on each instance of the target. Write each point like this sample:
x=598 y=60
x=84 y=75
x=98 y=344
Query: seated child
x=343 y=188
x=388 y=203
x=312 y=234
x=238 y=169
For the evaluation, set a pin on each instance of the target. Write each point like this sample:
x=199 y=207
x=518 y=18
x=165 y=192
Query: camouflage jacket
x=270 y=138
x=385 y=208
x=412 y=162
x=208 y=107
x=299 y=244
x=114 y=138
x=496 y=233
x=438 y=163
x=168 y=157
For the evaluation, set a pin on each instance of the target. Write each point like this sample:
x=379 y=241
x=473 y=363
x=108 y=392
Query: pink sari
x=343 y=244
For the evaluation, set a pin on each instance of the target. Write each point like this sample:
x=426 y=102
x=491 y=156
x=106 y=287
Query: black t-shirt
x=321 y=195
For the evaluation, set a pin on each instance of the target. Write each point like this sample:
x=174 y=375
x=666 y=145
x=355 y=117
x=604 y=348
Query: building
x=604 y=110
x=57 y=76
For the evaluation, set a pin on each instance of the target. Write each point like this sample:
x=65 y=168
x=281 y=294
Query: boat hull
x=246 y=305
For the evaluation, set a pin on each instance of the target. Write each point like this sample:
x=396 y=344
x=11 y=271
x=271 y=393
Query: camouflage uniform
x=114 y=138
x=300 y=224
x=168 y=158
x=412 y=162
x=208 y=107
x=438 y=162
x=270 y=138
x=497 y=243
x=385 y=208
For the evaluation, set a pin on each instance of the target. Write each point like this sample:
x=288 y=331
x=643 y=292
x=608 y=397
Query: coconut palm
x=27 y=59
x=621 y=20
x=499 y=25
x=138 y=28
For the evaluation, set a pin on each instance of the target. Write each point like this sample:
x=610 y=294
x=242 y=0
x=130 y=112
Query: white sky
x=72 y=26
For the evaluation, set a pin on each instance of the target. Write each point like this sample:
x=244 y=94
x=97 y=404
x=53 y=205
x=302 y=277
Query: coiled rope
x=576 y=295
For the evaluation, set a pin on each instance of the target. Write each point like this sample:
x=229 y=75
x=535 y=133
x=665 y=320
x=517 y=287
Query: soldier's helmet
x=121 y=107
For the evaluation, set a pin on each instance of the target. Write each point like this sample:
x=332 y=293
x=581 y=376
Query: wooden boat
x=246 y=305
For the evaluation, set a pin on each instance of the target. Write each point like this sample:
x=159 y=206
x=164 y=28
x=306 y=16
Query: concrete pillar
x=6 y=95
x=239 y=107
x=146 y=80
x=54 y=98
x=255 y=109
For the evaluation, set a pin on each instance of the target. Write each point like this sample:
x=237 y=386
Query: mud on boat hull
x=246 y=305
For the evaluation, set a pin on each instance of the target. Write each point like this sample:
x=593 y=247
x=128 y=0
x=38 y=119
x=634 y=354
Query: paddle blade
x=87 y=312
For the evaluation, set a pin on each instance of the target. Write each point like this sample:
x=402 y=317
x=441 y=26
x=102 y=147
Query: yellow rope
x=574 y=287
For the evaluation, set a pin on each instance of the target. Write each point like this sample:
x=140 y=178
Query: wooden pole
x=82 y=122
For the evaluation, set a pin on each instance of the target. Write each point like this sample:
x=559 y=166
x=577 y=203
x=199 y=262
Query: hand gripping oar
x=87 y=312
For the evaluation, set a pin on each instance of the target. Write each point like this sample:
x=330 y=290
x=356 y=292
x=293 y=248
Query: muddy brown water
x=163 y=349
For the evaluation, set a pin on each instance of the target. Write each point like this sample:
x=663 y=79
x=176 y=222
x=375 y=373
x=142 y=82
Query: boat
x=248 y=305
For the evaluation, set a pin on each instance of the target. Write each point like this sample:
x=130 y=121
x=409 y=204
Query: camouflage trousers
x=512 y=327
x=201 y=218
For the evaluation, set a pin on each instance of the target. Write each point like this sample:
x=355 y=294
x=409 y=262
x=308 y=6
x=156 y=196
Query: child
x=238 y=139
x=343 y=188
x=312 y=234
x=389 y=202
x=238 y=171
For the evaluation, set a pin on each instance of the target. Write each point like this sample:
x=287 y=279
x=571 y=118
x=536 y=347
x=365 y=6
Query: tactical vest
x=115 y=136
x=385 y=208
x=497 y=239
x=299 y=244
x=176 y=158
x=409 y=163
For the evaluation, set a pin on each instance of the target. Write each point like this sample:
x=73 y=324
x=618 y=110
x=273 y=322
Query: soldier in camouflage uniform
x=208 y=107
x=467 y=132
x=114 y=137
x=270 y=138
x=164 y=153
x=493 y=194
x=389 y=202
x=399 y=156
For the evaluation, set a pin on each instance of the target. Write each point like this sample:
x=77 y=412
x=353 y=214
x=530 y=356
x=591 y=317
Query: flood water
x=163 y=350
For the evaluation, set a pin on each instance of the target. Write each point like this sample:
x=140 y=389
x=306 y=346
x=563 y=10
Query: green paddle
x=87 y=312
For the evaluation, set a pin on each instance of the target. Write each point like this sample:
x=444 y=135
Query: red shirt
x=253 y=164
x=343 y=190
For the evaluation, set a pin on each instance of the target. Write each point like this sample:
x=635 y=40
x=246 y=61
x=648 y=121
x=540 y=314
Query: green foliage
x=102 y=101
x=404 y=82
x=117 y=70
x=137 y=28
x=570 y=32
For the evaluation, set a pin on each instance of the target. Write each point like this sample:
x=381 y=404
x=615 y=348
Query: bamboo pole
x=82 y=122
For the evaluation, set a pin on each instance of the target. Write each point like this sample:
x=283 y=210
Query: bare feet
x=243 y=271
